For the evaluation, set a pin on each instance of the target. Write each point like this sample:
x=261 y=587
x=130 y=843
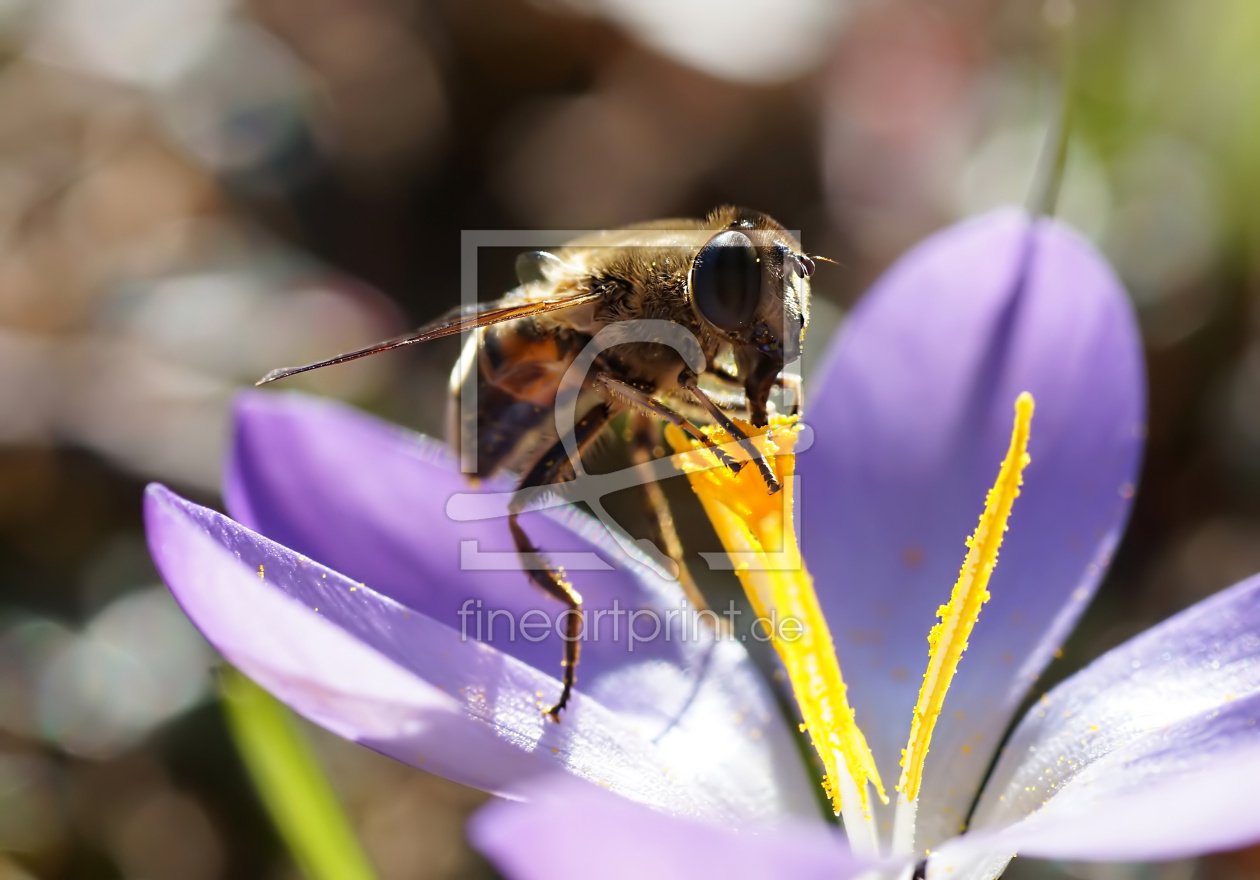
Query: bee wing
x=457 y=320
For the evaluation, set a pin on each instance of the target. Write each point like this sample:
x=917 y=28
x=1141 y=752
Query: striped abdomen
x=515 y=370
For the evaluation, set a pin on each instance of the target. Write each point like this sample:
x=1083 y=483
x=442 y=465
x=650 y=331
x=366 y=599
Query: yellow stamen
x=756 y=529
x=948 y=638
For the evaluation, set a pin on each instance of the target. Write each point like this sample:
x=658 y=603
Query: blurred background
x=195 y=191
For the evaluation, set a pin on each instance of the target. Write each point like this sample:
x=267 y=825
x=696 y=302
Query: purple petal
x=1150 y=752
x=1182 y=791
x=371 y=670
x=575 y=830
x=369 y=499
x=912 y=421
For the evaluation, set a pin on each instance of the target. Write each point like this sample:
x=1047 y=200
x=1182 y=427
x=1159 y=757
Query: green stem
x=292 y=784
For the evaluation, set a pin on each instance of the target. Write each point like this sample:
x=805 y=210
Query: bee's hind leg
x=552 y=467
x=554 y=584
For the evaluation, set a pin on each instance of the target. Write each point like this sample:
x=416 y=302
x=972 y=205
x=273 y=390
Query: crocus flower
x=1142 y=755
x=349 y=608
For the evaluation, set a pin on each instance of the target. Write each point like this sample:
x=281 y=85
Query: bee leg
x=662 y=516
x=554 y=466
x=554 y=585
x=772 y=482
x=791 y=382
x=642 y=399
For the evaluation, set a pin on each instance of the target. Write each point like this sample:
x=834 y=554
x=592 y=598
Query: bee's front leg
x=785 y=382
x=628 y=393
x=688 y=381
x=792 y=382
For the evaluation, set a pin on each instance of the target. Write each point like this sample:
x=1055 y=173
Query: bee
x=736 y=280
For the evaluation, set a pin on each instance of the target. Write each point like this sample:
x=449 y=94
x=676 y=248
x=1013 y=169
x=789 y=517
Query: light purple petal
x=1181 y=791
x=575 y=830
x=912 y=419
x=375 y=672
x=369 y=499
x=1150 y=752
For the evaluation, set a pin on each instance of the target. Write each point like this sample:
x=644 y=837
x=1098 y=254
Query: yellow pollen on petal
x=948 y=638
x=757 y=531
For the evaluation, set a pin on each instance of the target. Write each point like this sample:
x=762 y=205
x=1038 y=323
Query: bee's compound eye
x=726 y=280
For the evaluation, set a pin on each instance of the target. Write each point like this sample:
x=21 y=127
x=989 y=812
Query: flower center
x=757 y=531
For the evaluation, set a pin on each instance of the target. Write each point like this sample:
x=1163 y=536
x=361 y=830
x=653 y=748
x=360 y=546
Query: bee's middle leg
x=646 y=438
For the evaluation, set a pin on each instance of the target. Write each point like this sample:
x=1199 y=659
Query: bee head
x=749 y=283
